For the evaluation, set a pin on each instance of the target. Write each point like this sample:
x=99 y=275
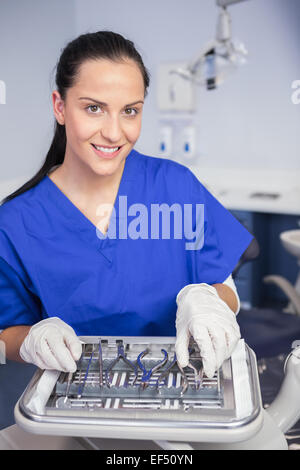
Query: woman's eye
x=93 y=108
x=131 y=111
x=96 y=109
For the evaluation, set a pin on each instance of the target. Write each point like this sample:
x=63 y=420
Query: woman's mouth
x=106 y=152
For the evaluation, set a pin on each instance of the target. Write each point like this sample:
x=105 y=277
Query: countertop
x=270 y=191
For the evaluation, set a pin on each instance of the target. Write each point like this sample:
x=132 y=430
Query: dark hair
x=90 y=46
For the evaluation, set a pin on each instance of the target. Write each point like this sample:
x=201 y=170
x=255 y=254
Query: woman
x=76 y=259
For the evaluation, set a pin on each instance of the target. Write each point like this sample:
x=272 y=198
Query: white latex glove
x=203 y=315
x=52 y=344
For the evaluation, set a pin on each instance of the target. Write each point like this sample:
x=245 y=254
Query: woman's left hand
x=203 y=315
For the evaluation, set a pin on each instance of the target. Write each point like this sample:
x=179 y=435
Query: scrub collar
x=69 y=214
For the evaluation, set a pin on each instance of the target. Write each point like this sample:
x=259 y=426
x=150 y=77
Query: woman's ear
x=58 y=107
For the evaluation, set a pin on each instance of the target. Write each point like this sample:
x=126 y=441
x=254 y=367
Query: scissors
x=148 y=373
x=120 y=356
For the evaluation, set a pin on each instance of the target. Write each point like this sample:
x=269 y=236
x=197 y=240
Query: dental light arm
x=218 y=56
x=226 y=3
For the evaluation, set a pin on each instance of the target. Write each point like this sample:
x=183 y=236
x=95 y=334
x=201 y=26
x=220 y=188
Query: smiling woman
x=101 y=129
x=61 y=275
x=98 y=74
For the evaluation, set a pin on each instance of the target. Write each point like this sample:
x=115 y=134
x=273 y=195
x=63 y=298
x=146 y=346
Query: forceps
x=100 y=364
x=120 y=355
x=198 y=377
x=148 y=373
x=82 y=384
x=69 y=383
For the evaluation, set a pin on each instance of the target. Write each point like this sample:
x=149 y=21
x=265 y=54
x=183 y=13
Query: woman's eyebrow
x=105 y=104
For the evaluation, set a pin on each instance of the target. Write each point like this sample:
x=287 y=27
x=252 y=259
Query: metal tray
x=95 y=403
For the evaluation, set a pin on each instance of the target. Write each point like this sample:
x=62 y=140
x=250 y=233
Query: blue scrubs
x=53 y=261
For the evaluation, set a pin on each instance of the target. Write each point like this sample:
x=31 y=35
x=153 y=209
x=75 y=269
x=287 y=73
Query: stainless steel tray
x=95 y=403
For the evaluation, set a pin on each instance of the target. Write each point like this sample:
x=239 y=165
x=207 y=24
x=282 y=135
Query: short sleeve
x=18 y=306
x=224 y=238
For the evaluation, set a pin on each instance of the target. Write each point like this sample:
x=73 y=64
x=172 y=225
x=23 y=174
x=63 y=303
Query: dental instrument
x=100 y=364
x=82 y=384
x=147 y=374
x=198 y=377
x=165 y=372
x=120 y=356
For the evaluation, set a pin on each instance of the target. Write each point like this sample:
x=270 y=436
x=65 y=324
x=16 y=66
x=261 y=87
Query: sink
x=291 y=242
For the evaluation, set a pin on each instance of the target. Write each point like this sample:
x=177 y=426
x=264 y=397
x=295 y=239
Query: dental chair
x=272 y=333
x=269 y=331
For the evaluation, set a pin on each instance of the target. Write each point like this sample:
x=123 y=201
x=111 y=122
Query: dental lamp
x=218 y=57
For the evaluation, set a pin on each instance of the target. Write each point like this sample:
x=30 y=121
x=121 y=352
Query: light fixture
x=218 y=57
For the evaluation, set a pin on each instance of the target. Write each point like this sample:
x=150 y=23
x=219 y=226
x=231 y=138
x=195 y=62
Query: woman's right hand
x=51 y=344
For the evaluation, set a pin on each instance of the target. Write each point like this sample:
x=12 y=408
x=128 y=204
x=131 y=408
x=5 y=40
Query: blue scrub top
x=53 y=261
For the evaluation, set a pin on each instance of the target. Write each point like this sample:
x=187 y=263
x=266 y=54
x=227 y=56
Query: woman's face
x=102 y=114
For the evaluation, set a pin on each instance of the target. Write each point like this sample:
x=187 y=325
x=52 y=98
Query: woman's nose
x=111 y=129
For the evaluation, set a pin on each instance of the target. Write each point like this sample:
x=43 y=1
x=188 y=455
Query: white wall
x=250 y=122
x=32 y=33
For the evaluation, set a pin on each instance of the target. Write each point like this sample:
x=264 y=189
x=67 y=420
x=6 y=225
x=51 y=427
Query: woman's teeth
x=106 y=150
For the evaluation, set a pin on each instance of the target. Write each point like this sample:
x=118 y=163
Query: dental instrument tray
x=133 y=388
